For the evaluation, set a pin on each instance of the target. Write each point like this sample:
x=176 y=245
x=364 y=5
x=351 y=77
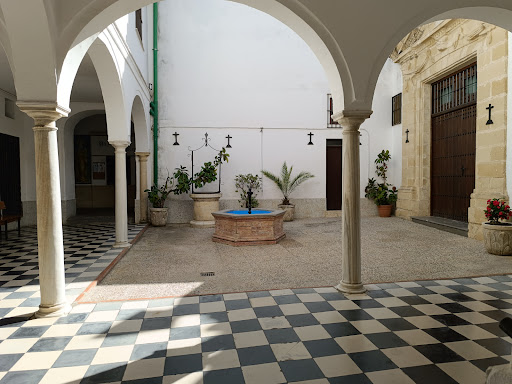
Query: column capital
x=351 y=120
x=143 y=156
x=119 y=144
x=44 y=113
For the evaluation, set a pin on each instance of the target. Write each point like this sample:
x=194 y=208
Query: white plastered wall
x=226 y=68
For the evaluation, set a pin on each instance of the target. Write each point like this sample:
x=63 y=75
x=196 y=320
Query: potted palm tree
x=287 y=185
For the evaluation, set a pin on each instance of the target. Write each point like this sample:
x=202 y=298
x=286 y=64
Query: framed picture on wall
x=98 y=170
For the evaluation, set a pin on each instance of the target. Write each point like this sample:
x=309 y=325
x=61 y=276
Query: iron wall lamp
x=406 y=135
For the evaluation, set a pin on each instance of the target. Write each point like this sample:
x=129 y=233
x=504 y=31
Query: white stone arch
x=315 y=34
x=109 y=71
x=139 y=114
x=492 y=15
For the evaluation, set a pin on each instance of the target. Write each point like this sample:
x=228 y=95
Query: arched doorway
x=94 y=169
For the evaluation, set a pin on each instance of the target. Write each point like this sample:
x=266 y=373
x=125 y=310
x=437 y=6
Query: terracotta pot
x=385 y=210
x=497 y=239
x=158 y=216
x=290 y=211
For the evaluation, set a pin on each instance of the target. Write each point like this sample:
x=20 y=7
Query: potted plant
x=157 y=197
x=383 y=194
x=287 y=185
x=204 y=203
x=242 y=184
x=497 y=235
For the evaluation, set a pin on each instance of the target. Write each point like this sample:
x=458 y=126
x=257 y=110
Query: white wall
x=225 y=68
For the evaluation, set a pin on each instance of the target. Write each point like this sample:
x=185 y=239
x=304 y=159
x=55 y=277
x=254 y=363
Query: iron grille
x=455 y=91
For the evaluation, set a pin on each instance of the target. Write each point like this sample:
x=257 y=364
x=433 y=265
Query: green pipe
x=154 y=104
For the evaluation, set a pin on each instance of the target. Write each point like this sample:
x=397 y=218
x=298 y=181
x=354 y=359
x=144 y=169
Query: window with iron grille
x=138 y=22
x=330 y=111
x=396 y=115
x=455 y=91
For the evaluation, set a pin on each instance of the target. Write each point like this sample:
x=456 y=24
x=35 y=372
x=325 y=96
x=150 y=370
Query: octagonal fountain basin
x=238 y=227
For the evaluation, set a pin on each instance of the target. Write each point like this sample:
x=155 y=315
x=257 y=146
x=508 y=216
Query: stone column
x=143 y=166
x=121 y=194
x=351 y=202
x=49 y=212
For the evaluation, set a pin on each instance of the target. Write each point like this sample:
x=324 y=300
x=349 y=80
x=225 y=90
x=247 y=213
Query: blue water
x=246 y=211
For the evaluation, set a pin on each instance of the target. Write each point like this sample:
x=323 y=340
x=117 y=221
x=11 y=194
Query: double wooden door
x=453 y=144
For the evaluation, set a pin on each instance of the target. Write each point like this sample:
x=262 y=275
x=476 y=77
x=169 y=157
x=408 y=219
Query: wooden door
x=10 y=181
x=453 y=144
x=334 y=153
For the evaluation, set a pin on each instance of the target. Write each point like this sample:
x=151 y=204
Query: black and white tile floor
x=443 y=331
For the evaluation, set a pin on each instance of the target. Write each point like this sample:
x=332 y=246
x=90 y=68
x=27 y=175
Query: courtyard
x=169 y=261
x=269 y=314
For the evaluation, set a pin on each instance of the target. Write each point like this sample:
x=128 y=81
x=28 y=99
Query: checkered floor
x=87 y=251
x=442 y=331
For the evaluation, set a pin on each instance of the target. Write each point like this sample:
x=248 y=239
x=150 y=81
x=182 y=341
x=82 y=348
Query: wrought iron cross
x=249 y=195
x=229 y=138
x=407 y=135
x=176 y=134
x=490 y=107
x=310 y=137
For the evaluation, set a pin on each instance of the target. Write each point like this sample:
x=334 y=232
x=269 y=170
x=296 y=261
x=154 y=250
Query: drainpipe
x=154 y=103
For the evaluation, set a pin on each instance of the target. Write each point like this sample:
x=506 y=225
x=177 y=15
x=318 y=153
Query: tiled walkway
x=443 y=331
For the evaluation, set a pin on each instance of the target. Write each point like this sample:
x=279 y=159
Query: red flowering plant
x=497 y=210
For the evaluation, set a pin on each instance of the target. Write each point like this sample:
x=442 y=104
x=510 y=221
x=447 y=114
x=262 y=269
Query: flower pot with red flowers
x=497 y=235
x=383 y=194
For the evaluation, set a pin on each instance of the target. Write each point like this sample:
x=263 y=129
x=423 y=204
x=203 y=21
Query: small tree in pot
x=157 y=197
x=497 y=235
x=287 y=185
x=383 y=194
x=242 y=184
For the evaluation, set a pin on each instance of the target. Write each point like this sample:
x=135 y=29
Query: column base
x=122 y=244
x=202 y=224
x=350 y=289
x=54 y=311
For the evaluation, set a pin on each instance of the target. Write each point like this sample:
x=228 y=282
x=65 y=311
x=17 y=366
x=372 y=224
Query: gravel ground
x=168 y=261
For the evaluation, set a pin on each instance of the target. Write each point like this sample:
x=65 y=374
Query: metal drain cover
x=207 y=273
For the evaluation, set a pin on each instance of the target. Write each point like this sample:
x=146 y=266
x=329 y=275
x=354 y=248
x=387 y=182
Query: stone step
x=447 y=225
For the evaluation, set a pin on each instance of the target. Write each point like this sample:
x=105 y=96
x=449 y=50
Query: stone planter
x=290 y=211
x=158 y=216
x=204 y=205
x=497 y=239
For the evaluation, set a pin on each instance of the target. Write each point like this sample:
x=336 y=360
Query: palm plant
x=285 y=182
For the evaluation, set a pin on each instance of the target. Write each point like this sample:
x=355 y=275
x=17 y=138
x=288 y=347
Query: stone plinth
x=254 y=229
x=204 y=205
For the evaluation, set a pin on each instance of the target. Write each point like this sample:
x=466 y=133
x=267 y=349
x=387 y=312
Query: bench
x=5 y=219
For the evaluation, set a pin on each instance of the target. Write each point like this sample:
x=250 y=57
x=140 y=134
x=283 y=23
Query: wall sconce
x=310 y=137
x=176 y=134
x=229 y=138
x=360 y=135
x=407 y=135
x=150 y=86
x=490 y=107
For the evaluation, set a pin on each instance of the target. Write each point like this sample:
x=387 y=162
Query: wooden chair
x=5 y=219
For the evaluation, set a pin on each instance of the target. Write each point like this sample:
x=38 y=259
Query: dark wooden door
x=334 y=152
x=453 y=144
x=10 y=181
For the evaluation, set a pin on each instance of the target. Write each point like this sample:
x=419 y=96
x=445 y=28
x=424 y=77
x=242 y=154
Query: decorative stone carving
x=498 y=239
x=290 y=211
